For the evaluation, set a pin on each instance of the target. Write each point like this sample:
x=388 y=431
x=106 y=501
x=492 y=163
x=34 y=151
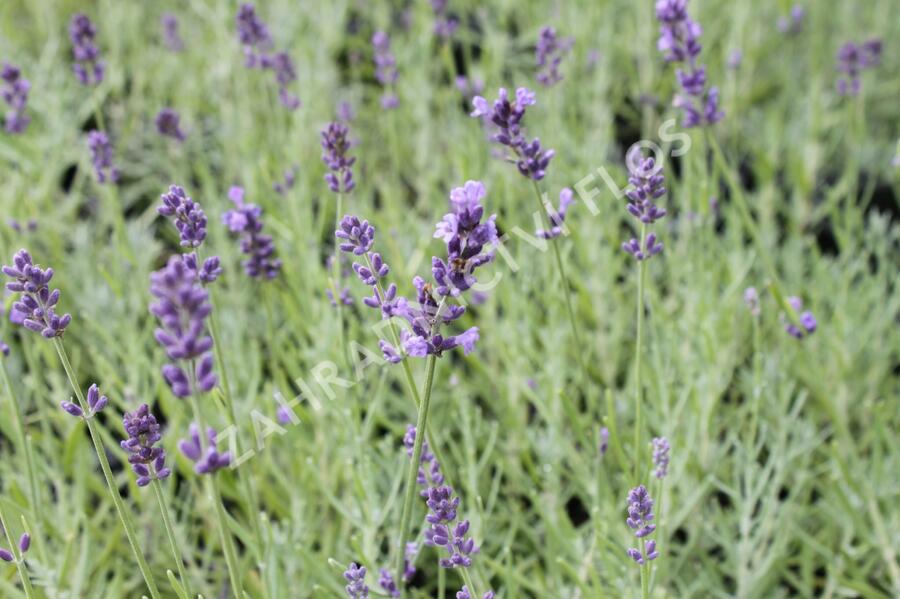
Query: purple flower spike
x=357 y=235
x=385 y=68
x=793 y=24
x=24 y=542
x=187 y=215
x=36 y=308
x=506 y=117
x=182 y=308
x=442 y=532
x=171 y=36
x=566 y=199
x=640 y=519
x=679 y=41
x=147 y=460
x=661 y=456
x=386 y=581
x=246 y=221
x=335 y=146
x=647 y=186
x=252 y=34
x=429 y=474
x=445 y=25
x=285 y=72
x=808 y=323
x=168 y=124
x=102 y=157
x=88 y=67
x=549 y=53
x=852 y=60
x=356 y=577
x=15 y=93
x=207 y=459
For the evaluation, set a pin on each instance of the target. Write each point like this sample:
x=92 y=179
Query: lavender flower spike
x=171 y=36
x=182 y=308
x=442 y=532
x=445 y=25
x=15 y=94
x=88 y=67
x=209 y=461
x=36 y=308
x=147 y=460
x=852 y=60
x=187 y=215
x=102 y=157
x=661 y=456
x=168 y=124
x=246 y=221
x=808 y=323
x=335 y=146
x=385 y=69
x=253 y=35
x=640 y=519
x=506 y=117
x=549 y=53
x=356 y=577
x=648 y=185
x=386 y=581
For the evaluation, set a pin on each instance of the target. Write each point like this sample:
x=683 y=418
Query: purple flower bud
x=6 y=555
x=661 y=456
x=72 y=409
x=356 y=577
x=24 y=542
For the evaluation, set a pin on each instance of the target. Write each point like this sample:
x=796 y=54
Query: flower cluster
x=182 y=308
x=257 y=43
x=168 y=124
x=507 y=116
x=246 y=220
x=661 y=456
x=95 y=402
x=549 y=53
x=557 y=217
x=679 y=41
x=386 y=582
x=88 y=66
x=807 y=320
x=171 y=36
x=385 y=69
x=648 y=186
x=640 y=520
x=445 y=25
x=206 y=457
x=852 y=60
x=335 y=147
x=793 y=24
x=429 y=469
x=187 y=215
x=36 y=308
x=15 y=94
x=147 y=460
x=102 y=157
x=24 y=546
x=356 y=579
x=442 y=532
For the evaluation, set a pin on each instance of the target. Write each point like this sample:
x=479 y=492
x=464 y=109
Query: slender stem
x=757 y=380
x=467 y=580
x=17 y=555
x=336 y=276
x=107 y=472
x=215 y=496
x=20 y=429
x=170 y=533
x=413 y=471
x=645 y=574
x=562 y=275
x=638 y=388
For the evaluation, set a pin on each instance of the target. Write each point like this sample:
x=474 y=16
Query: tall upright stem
x=336 y=275
x=214 y=495
x=170 y=533
x=562 y=275
x=107 y=472
x=17 y=555
x=638 y=388
x=467 y=580
x=413 y=471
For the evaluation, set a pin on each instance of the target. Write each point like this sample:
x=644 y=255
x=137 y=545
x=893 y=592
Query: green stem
x=20 y=561
x=215 y=496
x=170 y=533
x=562 y=275
x=20 y=426
x=336 y=277
x=467 y=580
x=757 y=380
x=107 y=472
x=638 y=389
x=421 y=424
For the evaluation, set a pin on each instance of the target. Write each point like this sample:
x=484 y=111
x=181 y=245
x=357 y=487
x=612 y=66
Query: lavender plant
x=15 y=93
